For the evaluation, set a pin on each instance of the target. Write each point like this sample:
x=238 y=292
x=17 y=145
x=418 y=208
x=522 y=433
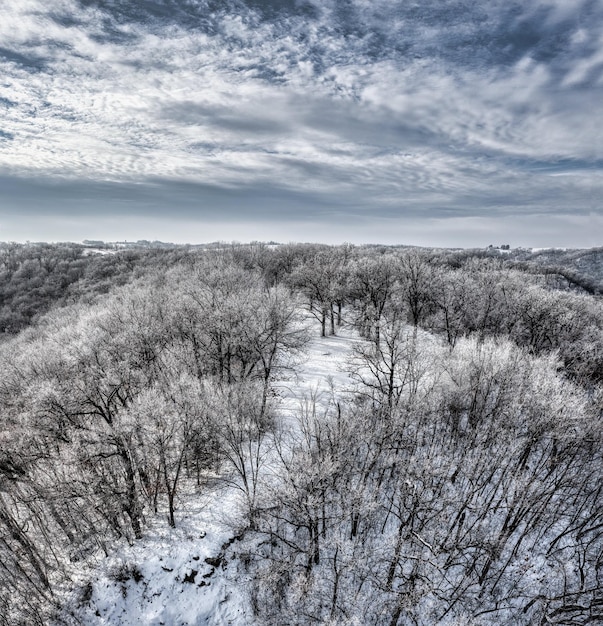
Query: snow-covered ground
x=165 y=578
x=321 y=373
x=178 y=577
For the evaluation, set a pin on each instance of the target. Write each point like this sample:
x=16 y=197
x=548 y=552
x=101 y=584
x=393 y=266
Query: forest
x=457 y=479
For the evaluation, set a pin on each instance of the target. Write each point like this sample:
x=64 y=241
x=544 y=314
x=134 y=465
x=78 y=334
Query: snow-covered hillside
x=180 y=576
x=183 y=450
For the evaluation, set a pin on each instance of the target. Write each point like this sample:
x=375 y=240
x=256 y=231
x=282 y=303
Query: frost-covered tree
x=474 y=501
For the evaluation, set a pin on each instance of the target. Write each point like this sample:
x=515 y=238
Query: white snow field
x=176 y=576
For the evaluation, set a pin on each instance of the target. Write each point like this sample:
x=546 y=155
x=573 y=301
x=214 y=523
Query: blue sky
x=440 y=122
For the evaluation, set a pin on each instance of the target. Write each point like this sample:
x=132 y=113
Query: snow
x=175 y=583
x=101 y=251
x=320 y=374
x=164 y=578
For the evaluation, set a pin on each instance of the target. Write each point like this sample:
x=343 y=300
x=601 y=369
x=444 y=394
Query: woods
x=455 y=501
x=456 y=479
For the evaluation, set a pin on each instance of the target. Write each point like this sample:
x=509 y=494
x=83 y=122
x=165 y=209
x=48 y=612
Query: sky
x=420 y=122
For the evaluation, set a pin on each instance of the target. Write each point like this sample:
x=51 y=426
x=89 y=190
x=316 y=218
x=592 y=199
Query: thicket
x=462 y=487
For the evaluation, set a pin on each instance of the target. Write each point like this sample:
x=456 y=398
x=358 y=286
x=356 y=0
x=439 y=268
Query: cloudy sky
x=429 y=122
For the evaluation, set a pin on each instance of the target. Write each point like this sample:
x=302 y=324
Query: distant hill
x=583 y=267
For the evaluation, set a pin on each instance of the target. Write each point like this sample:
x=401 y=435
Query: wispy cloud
x=383 y=109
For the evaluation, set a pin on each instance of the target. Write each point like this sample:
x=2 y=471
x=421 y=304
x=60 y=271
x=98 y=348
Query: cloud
x=266 y=110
